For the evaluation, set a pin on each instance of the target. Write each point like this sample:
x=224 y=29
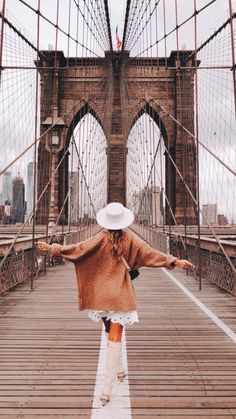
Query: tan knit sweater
x=103 y=281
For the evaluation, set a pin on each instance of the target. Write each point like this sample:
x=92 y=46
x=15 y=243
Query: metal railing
x=213 y=264
x=17 y=267
x=158 y=240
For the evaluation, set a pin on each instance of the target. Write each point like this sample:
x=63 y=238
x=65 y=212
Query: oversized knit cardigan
x=103 y=281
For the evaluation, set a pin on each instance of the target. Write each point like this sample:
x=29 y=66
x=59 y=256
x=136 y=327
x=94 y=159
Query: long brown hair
x=116 y=237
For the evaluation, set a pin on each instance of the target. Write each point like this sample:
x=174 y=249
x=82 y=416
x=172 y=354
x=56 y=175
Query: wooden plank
x=180 y=364
x=44 y=339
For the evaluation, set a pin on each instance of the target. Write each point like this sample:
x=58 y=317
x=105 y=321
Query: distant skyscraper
x=30 y=187
x=209 y=211
x=1 y=213
x=6 y=187
x=18 y=200
x=157 y=205
x=7 y=210
x=74 y=197
x=150 y=206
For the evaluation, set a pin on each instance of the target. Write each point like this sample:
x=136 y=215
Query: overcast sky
x=207 y=20
x=217 y=121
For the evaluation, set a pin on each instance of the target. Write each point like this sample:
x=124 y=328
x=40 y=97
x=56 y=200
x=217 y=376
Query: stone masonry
x=117 y=90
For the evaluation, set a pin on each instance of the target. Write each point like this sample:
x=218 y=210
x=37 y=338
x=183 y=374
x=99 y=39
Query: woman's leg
x=120 y=370
x=112 y=360
x=115 y=332
x=115 y=335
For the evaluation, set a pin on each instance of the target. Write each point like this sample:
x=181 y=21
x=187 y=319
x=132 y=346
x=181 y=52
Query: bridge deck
x=181 y=364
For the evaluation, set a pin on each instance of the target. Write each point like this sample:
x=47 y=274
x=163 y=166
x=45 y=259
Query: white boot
x=112 y=360
x=120 y=370
x=121 y=374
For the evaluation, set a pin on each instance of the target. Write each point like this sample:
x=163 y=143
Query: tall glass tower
x=6 y=187
x=18 y=201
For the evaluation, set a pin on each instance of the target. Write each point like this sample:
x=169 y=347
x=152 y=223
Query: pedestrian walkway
x=181 y=364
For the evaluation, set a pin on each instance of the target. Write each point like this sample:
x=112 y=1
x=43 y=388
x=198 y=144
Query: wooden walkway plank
x=181 y=365
x=179 y=360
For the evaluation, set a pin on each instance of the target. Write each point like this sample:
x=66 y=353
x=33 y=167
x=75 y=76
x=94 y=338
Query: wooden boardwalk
x=181 y=365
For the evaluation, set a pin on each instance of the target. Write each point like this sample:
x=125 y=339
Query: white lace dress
x=122 y=317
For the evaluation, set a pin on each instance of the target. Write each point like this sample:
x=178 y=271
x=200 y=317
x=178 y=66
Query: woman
x=104 y=283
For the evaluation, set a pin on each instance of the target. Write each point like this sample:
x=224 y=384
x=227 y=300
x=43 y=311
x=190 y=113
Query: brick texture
x=117 y=90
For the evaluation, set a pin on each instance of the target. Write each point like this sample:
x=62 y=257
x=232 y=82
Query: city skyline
x=143 y=202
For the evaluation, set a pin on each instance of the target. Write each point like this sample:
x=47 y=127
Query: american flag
x=118 y=41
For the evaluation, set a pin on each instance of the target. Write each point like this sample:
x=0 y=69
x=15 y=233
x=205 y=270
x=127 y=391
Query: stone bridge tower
x=72 y=87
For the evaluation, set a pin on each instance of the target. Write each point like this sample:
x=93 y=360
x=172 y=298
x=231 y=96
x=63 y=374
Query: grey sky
x=207 y=20
x=217 y=123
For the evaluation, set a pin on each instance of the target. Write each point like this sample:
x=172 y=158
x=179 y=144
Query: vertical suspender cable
x=168 y=163
x=87 y=121
x=180 y=116
x=197 y=146
x=126 y=24
x=51 y=199
x=161 y=163
x=233 y=51
x=92 y=44
x=35 y=154
x=162 y=187
x=2 y=35
x=65 y=166
x=78 y=200
x=108 y=24
x=68 y=41
x=142 y=73
x=152 y=136
x=72 y=185
x=82 y=125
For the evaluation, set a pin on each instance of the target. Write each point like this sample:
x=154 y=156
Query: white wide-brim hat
x=115 y=216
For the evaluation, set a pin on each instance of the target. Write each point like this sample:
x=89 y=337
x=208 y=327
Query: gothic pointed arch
x=148 y=109
x=117 y=103
x=78 y=116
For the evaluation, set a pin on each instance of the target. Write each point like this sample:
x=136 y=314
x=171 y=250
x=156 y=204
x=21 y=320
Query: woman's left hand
x=184 y=264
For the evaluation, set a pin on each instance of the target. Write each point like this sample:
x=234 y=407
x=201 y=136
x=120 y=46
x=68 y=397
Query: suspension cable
x=108 y=24
x=59 y=28
x=126 y=23
x=185 y=129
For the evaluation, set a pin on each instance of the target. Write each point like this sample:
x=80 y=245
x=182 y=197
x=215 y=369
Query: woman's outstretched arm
x=147 y=256
x=72 y=252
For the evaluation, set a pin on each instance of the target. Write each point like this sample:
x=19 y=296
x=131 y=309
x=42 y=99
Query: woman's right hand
x=43 y=246
x=184 y=264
